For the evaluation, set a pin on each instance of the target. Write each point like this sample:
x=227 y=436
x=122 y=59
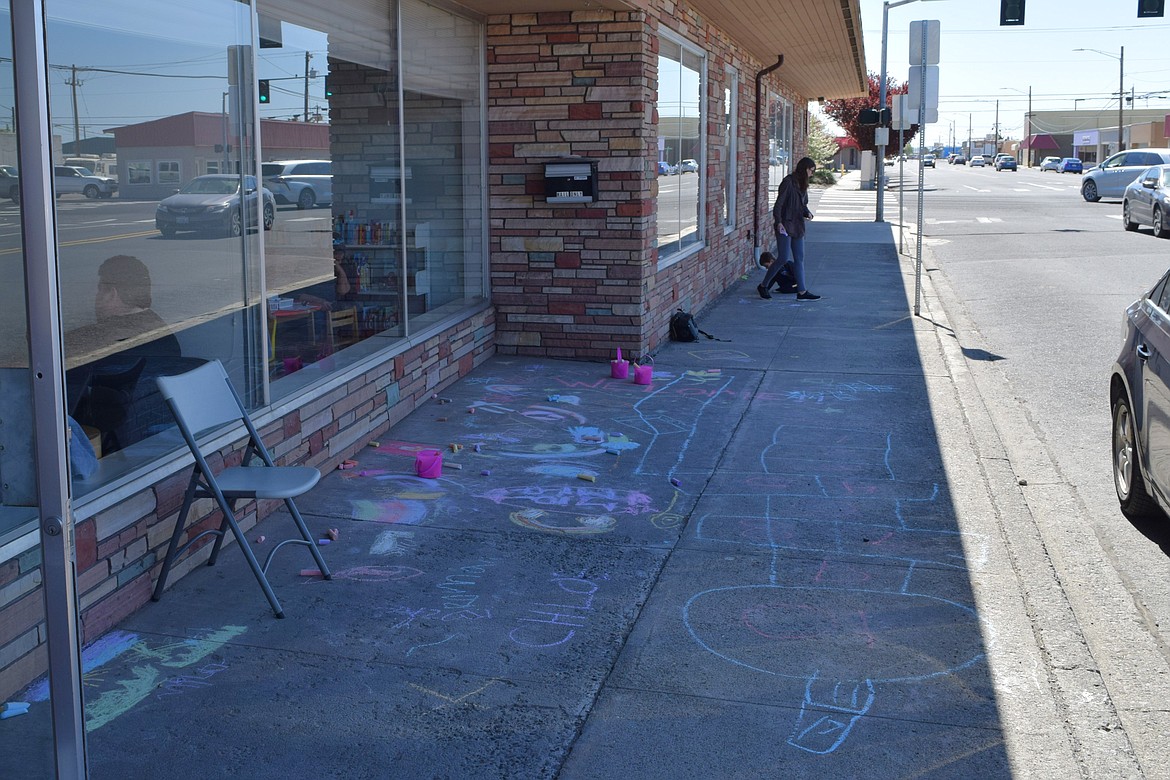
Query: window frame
x=133 y=165
x=731 y=151
x=178 y=171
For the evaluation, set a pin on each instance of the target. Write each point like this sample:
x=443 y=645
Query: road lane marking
x=1043 y=186
x=968 y=186
x=988 y=220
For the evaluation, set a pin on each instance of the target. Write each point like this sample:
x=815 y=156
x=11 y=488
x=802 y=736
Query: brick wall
x=577 y=282
x=119 y=550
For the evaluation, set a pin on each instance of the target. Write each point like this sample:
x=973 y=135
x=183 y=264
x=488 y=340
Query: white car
x=306 y=183
x=69 y=179
x=688 y=166
x=1050 y=164
x=978 y=161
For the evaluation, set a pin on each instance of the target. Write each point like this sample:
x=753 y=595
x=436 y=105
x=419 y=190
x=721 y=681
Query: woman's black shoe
x=807 y=296
x=763 y=291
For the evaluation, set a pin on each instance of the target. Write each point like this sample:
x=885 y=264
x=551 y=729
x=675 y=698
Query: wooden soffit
x=820 y=39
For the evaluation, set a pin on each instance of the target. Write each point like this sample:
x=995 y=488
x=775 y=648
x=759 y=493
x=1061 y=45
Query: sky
x=981 y=63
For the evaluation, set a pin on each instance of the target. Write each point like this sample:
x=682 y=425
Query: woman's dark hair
x=803 y=168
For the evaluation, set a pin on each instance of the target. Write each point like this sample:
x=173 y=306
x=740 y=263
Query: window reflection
x=366 y=208
x=679 y=147
x=780 y=141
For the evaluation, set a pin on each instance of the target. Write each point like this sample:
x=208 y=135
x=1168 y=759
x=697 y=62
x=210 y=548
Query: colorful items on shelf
x=368 y=233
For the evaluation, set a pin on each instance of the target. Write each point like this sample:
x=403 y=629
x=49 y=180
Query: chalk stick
x=449 y=465
x=587 y=477
x=674 y=482
x=471 y=410
x=440 y=419
x=310 y=572
x=614 y=452
x=260 y=539
x=375 y=444
x=13 y=708
x=479 y=448
x=333 y=534
x=485 y=473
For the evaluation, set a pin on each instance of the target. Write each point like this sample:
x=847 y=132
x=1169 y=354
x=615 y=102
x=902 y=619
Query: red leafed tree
x=844 y=112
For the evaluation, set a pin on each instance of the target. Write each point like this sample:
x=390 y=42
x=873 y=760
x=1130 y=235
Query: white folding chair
x=202 y=399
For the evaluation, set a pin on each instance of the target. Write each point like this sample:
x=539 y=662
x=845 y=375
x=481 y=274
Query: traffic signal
x=1011 y=12
x=328 y=91
x=263 y=91
x=1151 y=8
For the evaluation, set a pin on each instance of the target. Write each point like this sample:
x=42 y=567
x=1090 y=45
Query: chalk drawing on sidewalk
x=141 y=669
x=876 y=632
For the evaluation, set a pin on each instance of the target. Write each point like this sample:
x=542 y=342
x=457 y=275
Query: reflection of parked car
x=68 y=179
x=1050 y=164
x=212 y=202
x=1147 y=201
x=1110 y=178
x=9 y=183
x=666 y=169
x=688 y=166
x=1070 y=165
x=1139 y=390
x=1005 y=162
x=303 y=182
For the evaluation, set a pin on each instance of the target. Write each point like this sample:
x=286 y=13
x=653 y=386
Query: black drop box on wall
x=570 y=180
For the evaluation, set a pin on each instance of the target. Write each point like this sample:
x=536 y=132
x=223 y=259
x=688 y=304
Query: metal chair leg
x=172 y=548
x=316 y=553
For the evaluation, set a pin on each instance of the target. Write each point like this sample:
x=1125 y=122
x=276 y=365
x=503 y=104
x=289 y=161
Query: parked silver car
x=1111 y=177
x=304 y=182
x=1147 y=201
x=69 y=179
x=1050 y=164
x=1139 y=396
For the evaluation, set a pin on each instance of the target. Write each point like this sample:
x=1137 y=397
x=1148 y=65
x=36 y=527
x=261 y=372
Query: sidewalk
x=776 y=560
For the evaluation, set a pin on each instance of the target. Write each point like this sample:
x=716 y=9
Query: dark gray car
x=1139 y=393
x=212 y=203
x=1146 y=201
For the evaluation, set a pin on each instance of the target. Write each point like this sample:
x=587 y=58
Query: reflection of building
x=156 y=157
x=438 y=153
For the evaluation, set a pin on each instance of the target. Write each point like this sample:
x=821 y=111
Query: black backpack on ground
x=684 y=328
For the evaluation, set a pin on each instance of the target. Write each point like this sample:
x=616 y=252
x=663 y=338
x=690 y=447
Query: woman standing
x=788 y=217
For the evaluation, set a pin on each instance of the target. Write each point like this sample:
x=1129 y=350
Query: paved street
x=841 y=541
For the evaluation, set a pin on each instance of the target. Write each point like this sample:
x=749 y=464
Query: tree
x=845 y=110
x=821 y=146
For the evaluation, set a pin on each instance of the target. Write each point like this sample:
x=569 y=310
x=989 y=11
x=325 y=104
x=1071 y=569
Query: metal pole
x=305 y=116
x=879 y=213
x=1121 y=102
x=921 y=176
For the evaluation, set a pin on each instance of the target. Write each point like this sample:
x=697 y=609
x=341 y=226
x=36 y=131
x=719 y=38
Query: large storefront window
x=293 y=191
x=780 y=134
x=728 y=165
x=680 y=126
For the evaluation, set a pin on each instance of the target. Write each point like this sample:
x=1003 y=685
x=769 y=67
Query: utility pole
x=73 y=85
x=997 y=127
x=970 y=145
x=305 y=116
x=1121 y=101
x=1028 y=125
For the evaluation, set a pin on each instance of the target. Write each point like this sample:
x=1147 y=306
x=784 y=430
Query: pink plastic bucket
x=428 y=464
x=644 y=371
x=619 y=369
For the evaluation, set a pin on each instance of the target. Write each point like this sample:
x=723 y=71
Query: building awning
x=820 y=39
x=1040 y=142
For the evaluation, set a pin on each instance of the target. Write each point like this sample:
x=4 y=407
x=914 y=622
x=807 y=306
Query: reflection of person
x=344 y=282
x=113 y=353
x=122 y=308
x=788 y=216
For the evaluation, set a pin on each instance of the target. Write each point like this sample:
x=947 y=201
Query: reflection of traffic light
x=328 y=91
x=263 y=91
x=1011 y=12
x=1149 y=8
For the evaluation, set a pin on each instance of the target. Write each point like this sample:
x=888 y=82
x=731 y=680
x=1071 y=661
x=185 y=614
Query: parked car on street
x=958 y=159
x=1050 y=164
x=978 y=161
x=666 y=169
x=1139 y=397
x=1070 y=165
x=928 y=161
x=68 y=179
x=9 y=183
x=306 y=183
x=688 y=166
x=1147 y=201
x=1005 y=162
x=212 y=203
x=1110 y=178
